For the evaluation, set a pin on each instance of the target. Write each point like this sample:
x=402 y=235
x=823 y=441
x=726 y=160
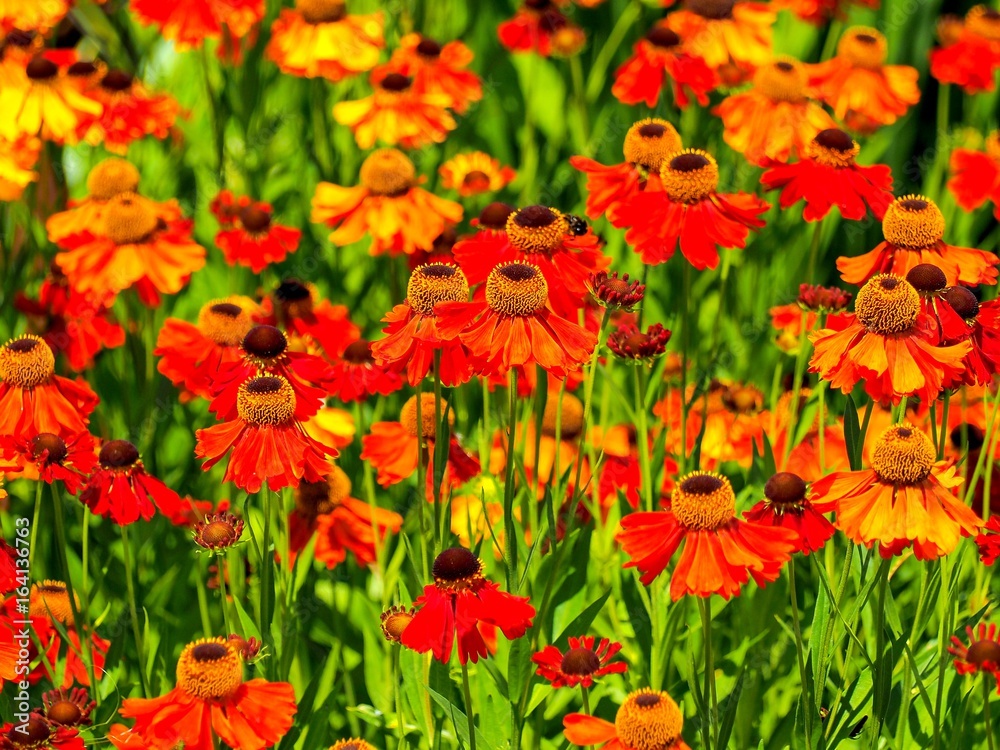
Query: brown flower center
x=785 y=490
x=26 y=362
x=927 y=278
x=255 y=219
x=833 y=148
x=265 y=342
x=117 y=80
x=456 y=568
x=495 y=215
x=580 y=661
x=41 y=69
x=433 y=283
x=963 y=301
x=321 y=11
x=81 y=69
x=54 y=445
x=118 y=454
x=714 y=10
x=981 y=652
x=112 y=177
x=65 y=712
x=396 y=82
x=428 y=48
x=388 y=172
x=37 y=734
x=661 y=36
x=358 y=353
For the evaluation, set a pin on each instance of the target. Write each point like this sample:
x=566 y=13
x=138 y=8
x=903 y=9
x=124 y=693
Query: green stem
x=267 y=570
x=807 y=704
x=685 y=347
x=986 y=713
x=421 y=479
x=711 y=732
x=643 y=435
x=510 y=528
x=883 y=671
x=814 y=252
x=220 y=561
x=133 y=610
x=469 y=715
x=35 y=523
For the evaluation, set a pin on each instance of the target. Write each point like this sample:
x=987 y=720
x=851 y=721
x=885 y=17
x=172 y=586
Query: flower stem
x=267 y=570
x=510 y=529
x=990 y=742
x=586 y=699
x=711 y=731
x=133 y=610
x=220 y=562
x=643 y=435
x=807 y=707
x=421 y=479
x=814 y=252
x=685 y=346
x=468 y=702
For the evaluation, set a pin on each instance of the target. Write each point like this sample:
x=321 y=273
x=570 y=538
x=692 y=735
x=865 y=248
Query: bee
x=576 y=225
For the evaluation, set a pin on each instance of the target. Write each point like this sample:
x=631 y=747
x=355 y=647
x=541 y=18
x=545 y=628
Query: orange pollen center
x=689 y=176
x=903 y=455
x=26 y=362
x=224 y=322
x=536 y=229
x=433 y=283
x=516 y=289
x=833 y=148
x=394 y=622
x=887 y=304
x=112 y=177
x=863 y=47
x=129 y=219
x=321 y=11
x=388 y=172
x=784 y=80
x=210 y=669
x=266 y=400
x=649 y=142
x=408 y=415
x=649 y=720
x=569 y=414
x=50 y=599
x=703 y=501
x=913 y=222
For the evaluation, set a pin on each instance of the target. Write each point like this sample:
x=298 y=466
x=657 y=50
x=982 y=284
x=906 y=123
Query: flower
x=133 y=246
x=647 y=719
x=68 y=708
x=905 y=499
x=689 y=213
x=211 y=699
x=128 y=112
x=888 y=344
x=970 y=54
x=38 y=734
x=863 y=91
x=659 y=58
x=981 y=655
x=913 y=227
x=218 y=531
x=818 y=12
x=581 y=663
x=41 y=16
x=980 y=326
x=394 y=621
x=319 y=38
x=296 y=306
x=438 y=70
x=41 y=101
x=533 y=27
x=776 y=118
x=826 y=175
x=120 y=488
x=988 y=541
x=542 y=237
x=458 y=602
x=68 y=458
x=629 y=343
x=255 y=241
x=720 y=552
x=474 y=173
x=400 y=216
x=192 y=356
x=976 y=176
x=648 y=143
x=267 y=440
x=412 y=341
x=33 y=399
x=188 y=23
x=357 y=376
x=510 y=325
x=818 y=298
x=393 y=448
x=17 y=161
x=396 y=114
x=785 y=504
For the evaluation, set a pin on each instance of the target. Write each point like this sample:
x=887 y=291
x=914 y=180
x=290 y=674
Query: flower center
x=715 y=10
x=984 y=21
x=395 y=82
x=26 y=361
x=52 y=445
x=218 y=533
x=41 y=69
x=64 y=712
x=428 y=48
x=495 y=215
x=117 y=80
x=649 y=142
x=703 y=501
x=388 y=172
x=570 y=413
x=81 y=69
x=321 y=11
x=981 y=652
x=785 y=490
x=927 y=279
x=37 y=734
x=266 y=400
x=457 y=568
x=264 y=342
x=49 y=599
x=913 y=221
x=225 y=323
x=536 y=229
x=689 y=176
x=408 y=415
x=963 y=301
x=580 y=661
x=255 y=219
x=743 y=399
x=517 y=289
x=833 y=148
x=863 y=47
x=661 y=36
x=394 y=621
x=648 y=720
x=315 y=498
x=358 y=353
x=903 y=455
x=112 y=177
x=477 y=180
x=129 y=219
x=433 y=283
x=887 y=304
x=784 y=80
x=118 y=455
x=210 y=669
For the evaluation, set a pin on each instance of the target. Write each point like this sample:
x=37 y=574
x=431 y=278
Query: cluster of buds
x=823 y=298
x=616 y=293
x=628 y=342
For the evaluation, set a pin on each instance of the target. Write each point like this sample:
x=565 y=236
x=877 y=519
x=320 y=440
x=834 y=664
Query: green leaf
x=581 y=623
x=461 y=722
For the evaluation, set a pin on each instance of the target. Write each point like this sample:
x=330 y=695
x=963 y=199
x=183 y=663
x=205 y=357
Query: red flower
x=68 y=458
x=981 y=655
x=128 y=112
x=254 y=241
x=458 y=602
x=690 y=213
x=661 y=58
x=297 y=308
x=188 y=23
x=357 y=376
x=785 y=504
x=827 y=176
x=580 y=664
x=988 y=541
x=971 y=52
x=438 y=70
x=532 y=27
x=976 y=176
x=39 y=734
x=120 y=488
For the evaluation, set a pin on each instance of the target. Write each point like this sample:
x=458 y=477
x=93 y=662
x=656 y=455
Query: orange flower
x=438 y=70
x=646 y=719
x=474 y=173
x=659 y=58
x=188 y=23
x=396 y=114
x=33 y=399
x=39 y=100
x=905 y=499
x=647 y=145
x=776 y=118
x=545 y=238
x=268 y=443
x=296 y=307
x=720 y=552
x=889 y=345
x=319 y=38
x=211 y=699
x=733 y=37
x=533 y=27
x=412 y=341
x=976 y=176
x=510 y=325
x=255 y=241
x=129 y=112
x=970 y=54
x=133 y=247
x=913 y=227
x=400 y=216
x=17 y=161
x=38 y=15
x=357 y=376
x=689 y=213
